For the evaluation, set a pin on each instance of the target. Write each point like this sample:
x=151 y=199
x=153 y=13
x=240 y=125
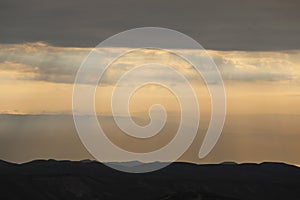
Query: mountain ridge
x=52 y=179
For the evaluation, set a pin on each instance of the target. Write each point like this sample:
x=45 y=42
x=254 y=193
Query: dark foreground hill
x=92 y=180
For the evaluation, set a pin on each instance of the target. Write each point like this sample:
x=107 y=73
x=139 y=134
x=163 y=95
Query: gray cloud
x=216 y=24
x=258 y=66
x=42 y=62
x=39 y=61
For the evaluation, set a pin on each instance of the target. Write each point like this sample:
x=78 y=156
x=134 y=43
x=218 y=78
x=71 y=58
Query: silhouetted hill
x=92 y=180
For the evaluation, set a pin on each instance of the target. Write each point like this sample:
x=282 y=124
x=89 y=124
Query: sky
x=255 y=45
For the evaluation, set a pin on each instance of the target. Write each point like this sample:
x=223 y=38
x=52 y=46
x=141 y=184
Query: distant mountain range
x=91 y=180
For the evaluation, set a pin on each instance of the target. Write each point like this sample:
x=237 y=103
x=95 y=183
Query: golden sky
x=256 y=82
x=262 y=88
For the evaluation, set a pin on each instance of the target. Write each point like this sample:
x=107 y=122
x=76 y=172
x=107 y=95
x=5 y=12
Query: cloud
x=221 y=25
x=43 y=62
x=256 y=66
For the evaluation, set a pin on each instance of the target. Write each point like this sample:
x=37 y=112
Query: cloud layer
x=43 y=62
x=220 y=25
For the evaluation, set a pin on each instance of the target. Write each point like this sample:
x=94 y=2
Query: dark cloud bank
x=220 y=25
